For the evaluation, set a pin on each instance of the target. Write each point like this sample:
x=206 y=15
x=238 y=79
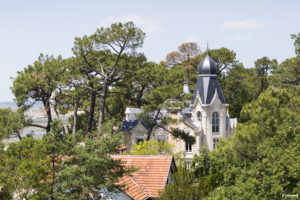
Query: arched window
x=215 y=122
x=199 y=116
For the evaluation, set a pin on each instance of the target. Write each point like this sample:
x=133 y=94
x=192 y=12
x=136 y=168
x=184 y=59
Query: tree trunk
x=48 y=112
x=151 y=128
x=140 y=96
x=74 y=130
x=102 y=106
x=107 y=112
x=53 y=162
x=19 y=136
x=149 y=133
x=91 y=112
x=58 y=116
x=261 y=85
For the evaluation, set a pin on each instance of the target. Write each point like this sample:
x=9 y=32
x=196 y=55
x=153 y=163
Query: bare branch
x=37 y=125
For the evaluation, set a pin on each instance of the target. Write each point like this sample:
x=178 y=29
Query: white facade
x=200 y=126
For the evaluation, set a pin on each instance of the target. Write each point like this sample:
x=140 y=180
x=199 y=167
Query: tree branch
x=37 y=125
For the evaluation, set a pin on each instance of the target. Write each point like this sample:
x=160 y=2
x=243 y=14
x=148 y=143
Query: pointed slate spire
x=208 y=82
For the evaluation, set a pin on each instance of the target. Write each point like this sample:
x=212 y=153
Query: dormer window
x=199 y=116
x=215 y=122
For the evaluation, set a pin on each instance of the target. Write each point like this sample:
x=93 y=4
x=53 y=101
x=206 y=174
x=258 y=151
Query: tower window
x=199 y=116
x=215 y=122
x=188 y=147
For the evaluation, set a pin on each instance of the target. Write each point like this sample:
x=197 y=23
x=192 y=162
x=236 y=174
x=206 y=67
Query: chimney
x=186 y=89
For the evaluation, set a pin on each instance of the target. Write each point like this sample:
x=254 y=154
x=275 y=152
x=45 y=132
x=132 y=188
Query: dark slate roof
x=208 y=82
x=206 y=87
x=188 y=121
x=187 y=112
x=128 y=125
x=207 y=66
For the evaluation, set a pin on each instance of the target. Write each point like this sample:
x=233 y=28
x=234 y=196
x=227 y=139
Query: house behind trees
x=206 y=118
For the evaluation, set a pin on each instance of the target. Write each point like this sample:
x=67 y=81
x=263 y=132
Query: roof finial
x=207 y=47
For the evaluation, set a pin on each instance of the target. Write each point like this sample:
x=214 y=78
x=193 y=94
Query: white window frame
x=188 y=147
x=215 y=142
x=215 y=122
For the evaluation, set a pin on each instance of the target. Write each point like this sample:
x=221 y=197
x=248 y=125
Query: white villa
x=206 y=118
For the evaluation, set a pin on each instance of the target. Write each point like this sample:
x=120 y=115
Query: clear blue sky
x=252 y=28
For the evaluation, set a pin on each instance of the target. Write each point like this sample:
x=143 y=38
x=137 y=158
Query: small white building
x=206 y=118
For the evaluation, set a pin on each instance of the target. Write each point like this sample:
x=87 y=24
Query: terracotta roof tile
x=150 y=178
x=133 y=189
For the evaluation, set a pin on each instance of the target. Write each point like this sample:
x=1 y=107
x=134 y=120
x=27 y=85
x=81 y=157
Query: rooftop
x=207 y=66
x=151 y=177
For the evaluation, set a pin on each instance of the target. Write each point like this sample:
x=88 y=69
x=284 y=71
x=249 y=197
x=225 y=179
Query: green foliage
x=185 y=185
x=135 y=76
x=243 y=85
x=262 y=67
x=11 y=123
x=90 y=168
x=81 y=122
x=296 y=38
x=201 y=164
x=103 y=53
x=164 y=93
x=239 y=87
x=36 y=83
x=261 y=160
x=80 y=167
x=287 y=73
x=184 y=136
x=5 y=190
x=152 y=147
x=60 y=166
x=24 y=166
x=118 y=34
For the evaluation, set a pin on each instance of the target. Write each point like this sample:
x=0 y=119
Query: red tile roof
x=150 y=178
x=133 y=189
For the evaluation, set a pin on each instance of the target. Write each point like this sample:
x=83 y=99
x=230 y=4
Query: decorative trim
x=207 y=75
